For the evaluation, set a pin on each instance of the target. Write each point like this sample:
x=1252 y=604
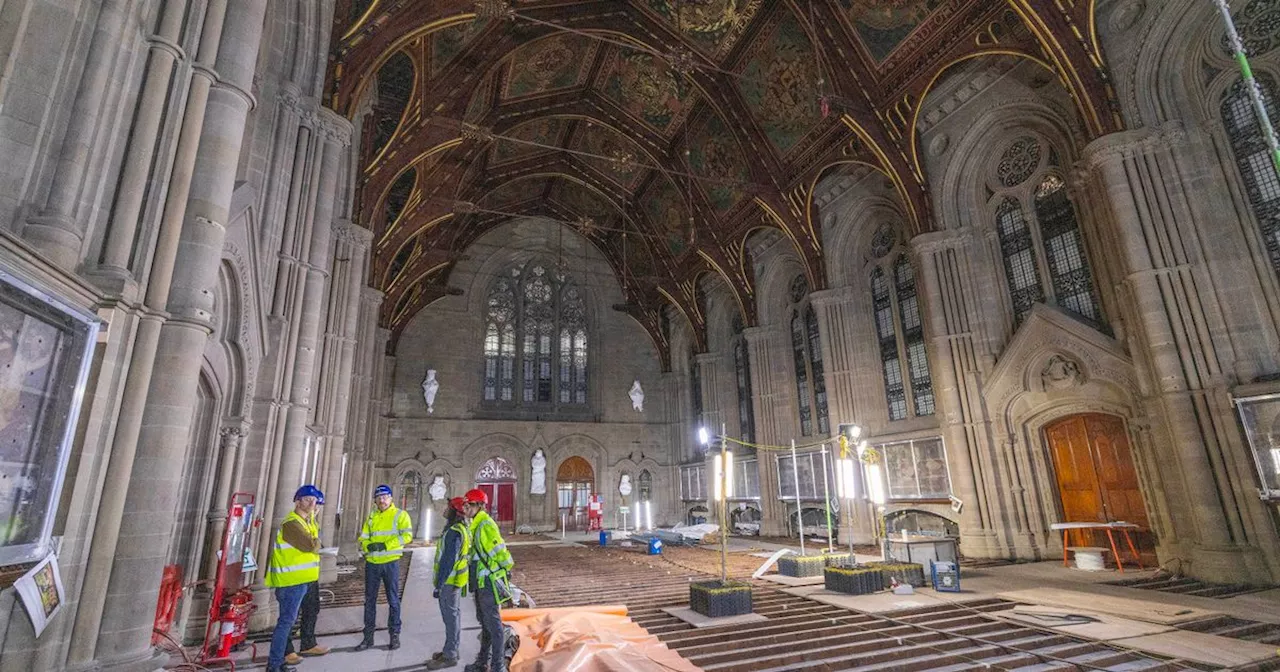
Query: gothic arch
x=507 y=447
x=779 y=267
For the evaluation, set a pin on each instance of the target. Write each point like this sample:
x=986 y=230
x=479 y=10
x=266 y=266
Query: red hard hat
x=476 y=496
x=456 y=504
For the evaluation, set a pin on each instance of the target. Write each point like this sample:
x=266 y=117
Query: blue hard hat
x=381 y=490
x=309 y=490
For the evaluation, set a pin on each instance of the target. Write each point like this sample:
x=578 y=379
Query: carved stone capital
x=759 y=336
x=938 y=241
x=334 y=127
x=231 y=437
x=835 y=296
x=371 y=296
x=345 y=231
x=1128 y=144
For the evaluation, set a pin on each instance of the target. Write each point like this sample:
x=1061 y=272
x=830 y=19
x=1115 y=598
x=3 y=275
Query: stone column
x=350 y=260
x=111 y=506
x=1141 y=181
x=773 y=406
x=165 y=52
x=58 y=232
x=851 y=378
x=359 y=422
x=710 y=373
x=229 y=450
x=958 y=364
x=153 y=484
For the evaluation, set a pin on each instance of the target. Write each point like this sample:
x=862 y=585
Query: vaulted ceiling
x=664 y=131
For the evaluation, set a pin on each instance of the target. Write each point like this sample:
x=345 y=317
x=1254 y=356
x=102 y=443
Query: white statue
x=624 y=486
x=538 y=484
x=438 y=489
x=637 y=396
x=429 y=388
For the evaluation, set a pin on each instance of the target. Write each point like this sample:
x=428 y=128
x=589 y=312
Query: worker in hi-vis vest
x=382 y=542
x=490 y=563
x=450 y=581
x=295 y=564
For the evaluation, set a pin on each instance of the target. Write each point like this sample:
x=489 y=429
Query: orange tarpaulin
x=588 y=639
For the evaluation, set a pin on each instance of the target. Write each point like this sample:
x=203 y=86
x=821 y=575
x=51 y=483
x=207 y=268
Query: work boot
x=316 y=650
x=395 y=642
x=437 y=655
x=283 y=668
x=477 y=667
x=364 y=645
x=292 y=659
x=441 y=663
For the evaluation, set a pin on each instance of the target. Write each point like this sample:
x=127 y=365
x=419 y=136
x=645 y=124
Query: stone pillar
x=350 y=261
x=229 y=450
x=1140 y=181
x=773 y=399
x=958 y=364
x=153 y=484
x=851 y=372
x=711 y=373
x=107 y=527
x=58 y=232
x=360 y=415
x=165 y=52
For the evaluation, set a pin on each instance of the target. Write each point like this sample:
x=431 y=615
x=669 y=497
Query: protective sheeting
x=702 y=532
x=588 y=639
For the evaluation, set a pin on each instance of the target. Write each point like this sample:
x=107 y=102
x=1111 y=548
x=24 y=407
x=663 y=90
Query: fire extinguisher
x=226 y=631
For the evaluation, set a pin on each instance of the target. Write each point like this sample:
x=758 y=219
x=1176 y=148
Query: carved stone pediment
x=1055 y=354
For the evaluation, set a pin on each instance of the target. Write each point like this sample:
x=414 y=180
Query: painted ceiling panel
x=882 y=26
x=647 y=89
x=558 y=62
x=712 y=26
x=611 y=153
x=449 y=42
x=714 y=154
x=546 y=132
x=780 y=83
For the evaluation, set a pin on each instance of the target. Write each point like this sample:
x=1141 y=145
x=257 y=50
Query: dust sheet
x=588 y=639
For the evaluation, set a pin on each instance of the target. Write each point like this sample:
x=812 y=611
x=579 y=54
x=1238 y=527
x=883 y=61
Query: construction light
x=854 y=432
x=875 y=486
x=846 y=478
x=648 y=515
x=704 y=437
x=637 y=516
x=723 y=476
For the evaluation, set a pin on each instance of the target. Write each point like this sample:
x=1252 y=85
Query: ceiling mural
x=546 y=132
x=780 y=84
x=557 y=62
x=713 y=154
x=611 y=153
x=883 y=25
x=665 y=207
x=514 y=192
x=647 y=89
x=447 y=43
x=722 y=111
x=713 y=26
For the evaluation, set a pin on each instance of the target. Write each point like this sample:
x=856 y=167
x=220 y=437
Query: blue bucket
x=605 y=535
x=655 y=546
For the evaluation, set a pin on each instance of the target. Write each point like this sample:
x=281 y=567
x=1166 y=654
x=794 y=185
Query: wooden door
x=1097 y=481
x=506 y=505
x=575 y=483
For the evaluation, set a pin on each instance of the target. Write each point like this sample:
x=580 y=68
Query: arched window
x=900 y=333
x=535 y=339
x=806 y=348
x=1040 y=235
x=695 y=388
x=1253 y=158
x=742 y=374
x=644 y=486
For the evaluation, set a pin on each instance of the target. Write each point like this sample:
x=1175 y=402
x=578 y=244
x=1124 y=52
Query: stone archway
x=575 y=484
x=497 y=478
x=409 y=497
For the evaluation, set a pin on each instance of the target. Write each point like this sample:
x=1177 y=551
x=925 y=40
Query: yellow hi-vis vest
x=489 y=551
x=391 y=527
x=289 y=566
x=458 y=577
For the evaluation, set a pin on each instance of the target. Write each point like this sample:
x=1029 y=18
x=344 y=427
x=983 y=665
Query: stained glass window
x=1258 y=171
x=895 y=392
x=536 y=327
x=806 y=348
x=1064 y=250
x=1042 y=249
x=904 y=359
x=742 y=373
x=913 y=337
x=695 y=388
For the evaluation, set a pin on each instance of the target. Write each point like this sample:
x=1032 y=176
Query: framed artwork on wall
x=41 y=592
x=1260 y=416
x=46 y=347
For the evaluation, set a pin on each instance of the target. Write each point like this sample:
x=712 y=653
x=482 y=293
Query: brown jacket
x=296 y=535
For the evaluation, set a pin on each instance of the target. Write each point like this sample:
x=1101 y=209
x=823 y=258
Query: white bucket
x=1090 y=560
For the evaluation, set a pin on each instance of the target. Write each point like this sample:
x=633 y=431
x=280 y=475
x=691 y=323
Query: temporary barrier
x=588 y=639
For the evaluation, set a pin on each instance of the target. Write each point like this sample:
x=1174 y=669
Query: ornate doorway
x=575 y=483
x=410 y=500
x=1097 y=481
x=497 y=478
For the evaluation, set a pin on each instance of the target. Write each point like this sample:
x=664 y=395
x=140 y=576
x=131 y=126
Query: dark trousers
x=307 y=616
x=491 y=641
x=388 y=575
